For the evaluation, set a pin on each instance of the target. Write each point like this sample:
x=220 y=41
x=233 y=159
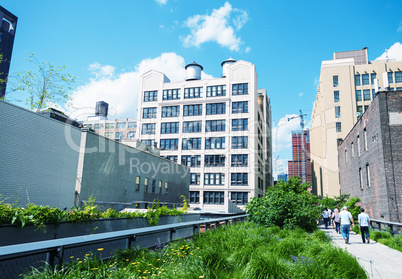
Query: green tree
x=286 y=205
x=47 y=84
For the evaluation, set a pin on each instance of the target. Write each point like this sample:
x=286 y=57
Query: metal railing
x=16 y=259
x=392 y=227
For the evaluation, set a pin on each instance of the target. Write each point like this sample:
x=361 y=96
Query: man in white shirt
x=364 y=221
x=346 y=218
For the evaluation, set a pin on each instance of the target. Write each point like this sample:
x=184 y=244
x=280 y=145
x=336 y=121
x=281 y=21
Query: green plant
x=286 y=205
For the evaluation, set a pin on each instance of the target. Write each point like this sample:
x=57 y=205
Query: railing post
x=130 y=239
x=194 y=229
x=172 y=231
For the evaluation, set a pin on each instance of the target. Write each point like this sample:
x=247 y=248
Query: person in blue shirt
x=325 y=217
x=364 y=221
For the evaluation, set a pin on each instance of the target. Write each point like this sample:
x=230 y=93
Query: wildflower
x=198 y=247
x=86 y=255
x=150 y=264
x=72 y=257
x=159 y=259
x=163 y=269
x=110 y=265
x=132 y=263
x=80 y=262
x=100 y=249
x=200 y=276
x=179 y=263
x=94 y=268
x=124 y=268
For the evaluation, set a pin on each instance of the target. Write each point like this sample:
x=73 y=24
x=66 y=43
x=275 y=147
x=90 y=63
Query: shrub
x=286 y=205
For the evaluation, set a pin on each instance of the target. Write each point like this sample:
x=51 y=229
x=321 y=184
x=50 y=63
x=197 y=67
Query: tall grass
x=241 y=251
x=383 y=237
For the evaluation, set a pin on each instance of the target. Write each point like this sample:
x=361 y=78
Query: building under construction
x=300 y=165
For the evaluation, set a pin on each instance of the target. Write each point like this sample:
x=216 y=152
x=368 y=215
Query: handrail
x=391 y=225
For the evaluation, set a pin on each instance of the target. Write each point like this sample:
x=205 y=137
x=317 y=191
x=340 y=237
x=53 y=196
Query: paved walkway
x=378 y=260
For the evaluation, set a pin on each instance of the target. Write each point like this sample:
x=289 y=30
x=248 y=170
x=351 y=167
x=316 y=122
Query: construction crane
x=302 y=151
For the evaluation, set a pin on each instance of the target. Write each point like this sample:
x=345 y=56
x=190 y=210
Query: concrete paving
x=378 y=260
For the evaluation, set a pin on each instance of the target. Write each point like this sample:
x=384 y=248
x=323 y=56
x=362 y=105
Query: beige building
x=347 y=87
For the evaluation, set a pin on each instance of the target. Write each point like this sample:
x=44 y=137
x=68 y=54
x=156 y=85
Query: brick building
x=370 y=158
x=301 y=164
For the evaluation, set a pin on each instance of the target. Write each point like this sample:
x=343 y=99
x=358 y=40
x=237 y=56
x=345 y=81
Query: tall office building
x=220 y=128
x=301 y=164
x=347 y=87
x=7 y=34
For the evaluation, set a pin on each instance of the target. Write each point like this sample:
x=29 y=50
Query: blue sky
x=108 y=44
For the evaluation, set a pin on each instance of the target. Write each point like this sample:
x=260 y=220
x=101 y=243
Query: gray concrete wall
x=110 y=170
x=38 y=158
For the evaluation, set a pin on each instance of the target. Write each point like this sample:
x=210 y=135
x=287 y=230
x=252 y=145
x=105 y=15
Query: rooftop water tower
x=101 y=109
x=225 y=65
x=193 y=71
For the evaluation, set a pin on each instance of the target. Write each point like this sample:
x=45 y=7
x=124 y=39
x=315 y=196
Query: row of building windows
x=108 y=126
x=151 y=187
x=218 y=197
x=366 y=79
x=366 y=95
x=193 y=161
x=195 y=110
x=120 y=135
x=196 y=92
x=195 y=143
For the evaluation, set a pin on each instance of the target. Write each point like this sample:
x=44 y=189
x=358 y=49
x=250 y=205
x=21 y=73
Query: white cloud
x=399 y=27
x=394 y=52
x=282 y=133
x=247 y=50
x=121 y=91
x=280 y=166
x=161 y=2
x=216 y=27
x=300 y=94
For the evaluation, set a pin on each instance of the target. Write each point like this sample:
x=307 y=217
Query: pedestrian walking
x=336 y=220
x=325 y=217
x=345 y=220
x=364 y=221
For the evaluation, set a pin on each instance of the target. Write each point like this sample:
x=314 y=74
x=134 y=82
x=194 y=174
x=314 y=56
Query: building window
x=366 y=95
x=338 y=127
x=169 y=144
x=239 y=142
x=192 y=126
x=373 y=77
x=146 y=185
x=218 y=108
x=373 y=93
x=336 y=96
x=239 y=197
x=149 y=113
x=170 y=128
x=215 y=125
x=137 y=184
x=215 y=143
x=366 y=79
x=346 y=155
x=172 y=158
x=160 y=187
x=240 y=89
x=108 y=134
x=337 y=112
x=166 y=188
x=194 y=178
x=194 y=196
x=390 y=77
x=358 y=95
x=191 y=110
x=357 y=80
x=191 y=143
x=150 y=96
x=335 y=81
x=217 y=90
x=150 y=142
x=214 y=160
x=240 y=124
x=361 y=178
x=195 y=92
x=148 y=129
x=239 y=179
x=353 y=149
x=98 y=126
x=214 y=197
x=214 y=179
x=358 y=146
x=365 y=139
x=119 y=135
x=239 y=160
x=131 y=134
x=120 y=125
x=339 y=141
x=240 y=107
x=153 y=185
x=191 y=161
x=171 y=111
x=171 y=94
x=132 y=125
x=398 y=77
x=360 y=110
x=368 y=175
x=109 y=126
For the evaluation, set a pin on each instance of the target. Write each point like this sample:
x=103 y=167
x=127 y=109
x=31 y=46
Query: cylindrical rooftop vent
x=193 y=71
x=101 y=109
x=225 y=65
